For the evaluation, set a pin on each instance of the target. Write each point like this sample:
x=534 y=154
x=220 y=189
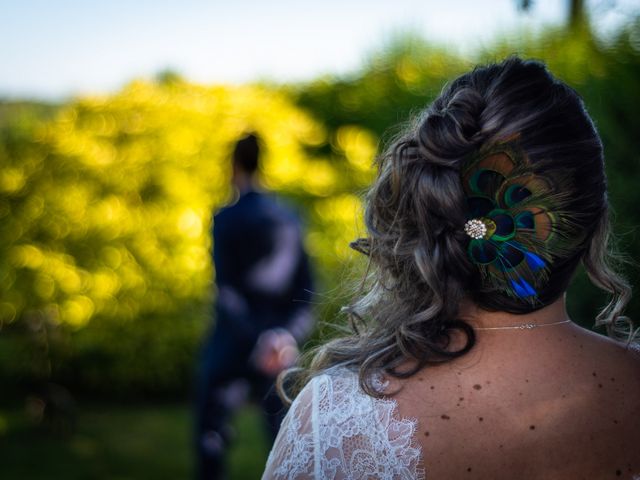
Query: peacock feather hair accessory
x=517 y=220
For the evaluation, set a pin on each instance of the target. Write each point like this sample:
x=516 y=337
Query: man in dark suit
x=262 y=310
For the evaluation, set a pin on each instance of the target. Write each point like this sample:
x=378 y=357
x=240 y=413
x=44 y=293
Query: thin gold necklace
x=523 y=326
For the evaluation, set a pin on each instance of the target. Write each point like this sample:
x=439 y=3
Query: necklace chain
x=524 y=326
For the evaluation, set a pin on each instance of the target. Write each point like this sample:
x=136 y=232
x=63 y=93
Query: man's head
x=246 y=153
x=245 y=162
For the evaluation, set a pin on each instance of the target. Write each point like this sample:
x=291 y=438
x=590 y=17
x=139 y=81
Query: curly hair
x=420 y=270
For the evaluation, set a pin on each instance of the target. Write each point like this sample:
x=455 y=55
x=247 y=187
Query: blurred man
x=262 y=310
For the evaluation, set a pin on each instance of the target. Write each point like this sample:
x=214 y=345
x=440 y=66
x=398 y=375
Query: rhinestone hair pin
x=475 y=228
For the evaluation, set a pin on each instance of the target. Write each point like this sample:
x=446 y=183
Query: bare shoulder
x=610 y=389
x=543 y=403
x=612 y=355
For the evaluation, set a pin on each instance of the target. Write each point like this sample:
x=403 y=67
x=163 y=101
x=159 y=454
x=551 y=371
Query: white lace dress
x=334 y=430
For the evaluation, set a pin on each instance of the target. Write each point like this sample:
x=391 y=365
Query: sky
x=55 y=49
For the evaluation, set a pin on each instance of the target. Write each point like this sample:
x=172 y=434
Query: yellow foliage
x=358 y=145
x=77 y=311
x=122 y=188
x=11 y=180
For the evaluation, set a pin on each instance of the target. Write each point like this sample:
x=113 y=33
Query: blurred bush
x=105 y=275
x=106 y=202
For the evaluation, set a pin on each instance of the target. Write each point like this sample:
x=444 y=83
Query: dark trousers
x=223 y=380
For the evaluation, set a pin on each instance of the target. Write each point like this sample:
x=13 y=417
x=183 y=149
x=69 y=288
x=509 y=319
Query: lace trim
x=366 y=431
x=380 y=385
x=335 y=430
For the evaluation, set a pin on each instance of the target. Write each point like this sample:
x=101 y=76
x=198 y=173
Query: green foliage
x=133 y=442
x=105 y=275
x=393 y=86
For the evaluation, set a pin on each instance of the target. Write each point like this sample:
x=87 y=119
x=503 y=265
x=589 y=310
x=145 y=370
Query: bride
x=462 y=362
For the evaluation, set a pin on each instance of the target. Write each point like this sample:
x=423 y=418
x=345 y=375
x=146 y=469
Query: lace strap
x=334 y=430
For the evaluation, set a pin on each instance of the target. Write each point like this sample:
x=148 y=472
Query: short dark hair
x=246 y=153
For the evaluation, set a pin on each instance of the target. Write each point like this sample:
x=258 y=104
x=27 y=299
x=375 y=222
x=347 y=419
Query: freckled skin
x=535 y=406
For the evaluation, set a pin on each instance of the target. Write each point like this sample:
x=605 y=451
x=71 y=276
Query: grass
x=135 y=442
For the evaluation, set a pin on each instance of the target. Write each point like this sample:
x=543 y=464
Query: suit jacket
x=262 y=271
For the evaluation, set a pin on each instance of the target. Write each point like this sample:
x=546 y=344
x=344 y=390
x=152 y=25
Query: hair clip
x=512 y=225
x=475 y=228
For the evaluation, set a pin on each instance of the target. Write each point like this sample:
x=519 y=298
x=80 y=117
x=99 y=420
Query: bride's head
x=509 y=152
x=494 y=194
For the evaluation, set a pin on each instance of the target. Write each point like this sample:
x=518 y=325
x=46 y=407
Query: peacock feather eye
x=505 y=225
x=544 y=224
x=486 y=182
x=515 y=194
x=511 y=255
x=525 y=220
x=483 y=252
